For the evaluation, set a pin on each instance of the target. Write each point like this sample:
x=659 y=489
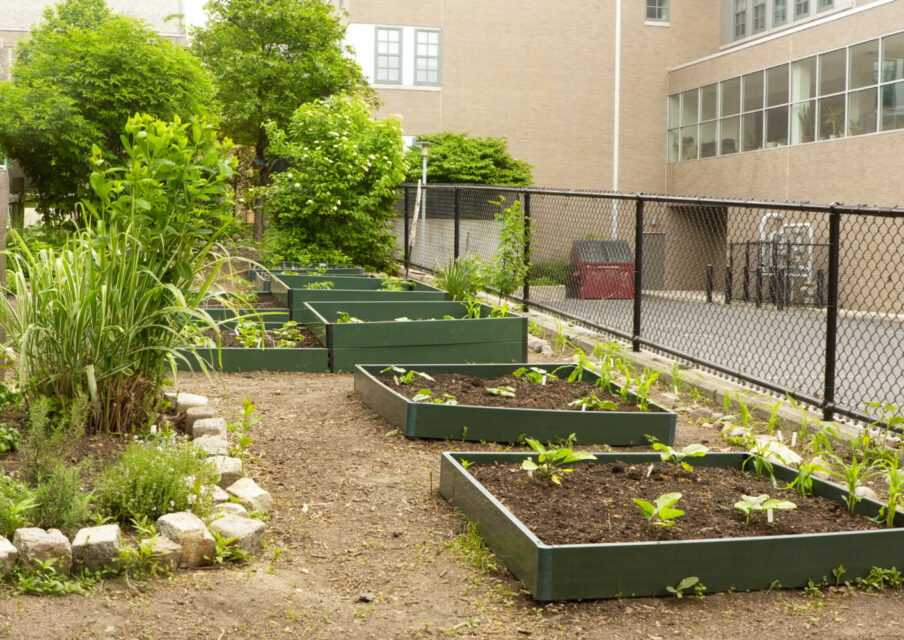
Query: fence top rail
x=860 y=209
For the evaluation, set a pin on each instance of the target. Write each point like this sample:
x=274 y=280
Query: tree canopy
x=456 y=158
x=84 y=72
x=268 y=57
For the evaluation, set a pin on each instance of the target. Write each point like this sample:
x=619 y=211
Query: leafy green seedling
x=550 y=461
x=425 y=395
x=592 y=403
x=504 y=391
x=685 y=584
x=324 y=284
x=395 y=284
x=752 y=505
x=402 y=376
x=345 y=318
x=248 y=333
x=661 y=513
x=536 y=375
x=677 y=457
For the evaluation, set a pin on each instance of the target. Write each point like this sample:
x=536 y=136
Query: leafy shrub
x=456 y=158
x=51 y=435
x=17 y=502
x=336 y=199
x=61 y=502
x=9 y=438
x=102 y=316
x=552 y=272
x=148 y=481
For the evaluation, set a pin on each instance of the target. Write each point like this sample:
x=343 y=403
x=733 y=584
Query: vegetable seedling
x=661 y=514
x=677 y=457
x=536 y=375
x=752 y=505
x=504 y=391
x=550 y=461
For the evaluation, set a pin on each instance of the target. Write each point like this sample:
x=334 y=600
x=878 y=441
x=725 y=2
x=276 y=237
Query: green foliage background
x=76 y=82
x=337 y=197
x=456 y=158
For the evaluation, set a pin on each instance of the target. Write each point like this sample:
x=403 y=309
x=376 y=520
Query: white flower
x=297 y=184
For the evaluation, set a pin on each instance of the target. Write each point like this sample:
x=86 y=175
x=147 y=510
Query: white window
x=658 y=10
x=779 y=12
x=740 y=18
x=759 y=15
x=426 y=57
x=822 y=5
x=388 y=61
x=801 y=8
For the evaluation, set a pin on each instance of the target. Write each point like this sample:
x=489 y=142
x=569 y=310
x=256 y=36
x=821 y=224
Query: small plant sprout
x=894 y=477
x=803 y=483
x=577 y=370
x=242 y=429
x=741 y=400
x=504 y=391
x=678 y=457
x=473 y=307
x=425 y=395
x=550 y=461
x=624 y=390
x=288 y=335
x=851 y=475
x=760 y=459
x=248 y=333
x=391 y=283
x=753 y=505
x=324 y=284
x=661 y=514
x=402 y=376
x=592 y=403
x=886 y=417
x=646 y=380
x=561 y=338
x=466 y=463
x=536 y=375
x=676 y=378
x=771 y=423
x=344 y=318
x=690 y=583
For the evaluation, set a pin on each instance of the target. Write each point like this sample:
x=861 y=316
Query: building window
x=740 y=18
x=822 y=5
x=388 y=64
x=426 y=57
x=779 y=12
x=658 y=10
x=759 y=15
x=801 y=8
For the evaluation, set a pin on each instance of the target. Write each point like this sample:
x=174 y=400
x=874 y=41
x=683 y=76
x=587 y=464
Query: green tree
x=456 y=158
x=76 y=82
x=336 y=199
x=269 y=57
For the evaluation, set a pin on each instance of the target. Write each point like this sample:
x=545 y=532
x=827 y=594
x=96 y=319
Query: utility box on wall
x=601 y=269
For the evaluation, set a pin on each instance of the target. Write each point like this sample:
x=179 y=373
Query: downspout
x=616 y=115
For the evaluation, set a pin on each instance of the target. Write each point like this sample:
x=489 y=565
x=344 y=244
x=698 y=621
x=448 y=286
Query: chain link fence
x=794 y=298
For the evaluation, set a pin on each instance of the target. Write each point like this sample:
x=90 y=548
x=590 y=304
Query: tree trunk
x=260 y=150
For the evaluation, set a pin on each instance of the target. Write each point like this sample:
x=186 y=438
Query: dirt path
x=358 y=517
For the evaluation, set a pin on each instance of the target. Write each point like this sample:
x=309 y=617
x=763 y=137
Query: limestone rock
x=228 y=509
x=208 y=427
x=185 y=401
x=536 y=344
x=94 y=548
x=166 y=552
x=187 y=530
x=194 y=414
x=212 y=445
x=865 y=492
x=700 y=413
x=34 y=544
x=229 y=469
x=250 y=495
x=8 y=554
x=819 y=473
x=248 y=533
x=773 y=450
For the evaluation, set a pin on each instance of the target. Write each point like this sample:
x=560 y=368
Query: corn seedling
x=772 y=421
x=744 y=410
x=678 y=456
x=550 y=461
x=676 y=379
x=473 y=307
x=592 y=403
x=577 y=370
x=624 y=389
x=761 y=463
x=402 y=376
x=647 y=378
x=851 y=475
x=753 y=505
x=661 y=514
x=894 y=477
x=537 y=375
x=504 y=391
x=803 y=483
x=561 y=338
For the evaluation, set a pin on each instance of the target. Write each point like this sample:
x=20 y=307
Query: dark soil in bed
x=594 y=504
x=229 y=339
x=261 y=302
x=555 y=394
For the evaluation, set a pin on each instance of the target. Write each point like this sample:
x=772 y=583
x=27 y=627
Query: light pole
x=425 y=149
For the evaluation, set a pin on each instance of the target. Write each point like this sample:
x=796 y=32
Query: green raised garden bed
x=298 y=268
x=495 y=424
x=585 y=571
x=426 y=338
x=233 y=359
x=272 y=314
x=347 y=282
x=295 y=298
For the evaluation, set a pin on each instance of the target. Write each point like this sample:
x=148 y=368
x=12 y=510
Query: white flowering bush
x=149 y=481
x=335 y=202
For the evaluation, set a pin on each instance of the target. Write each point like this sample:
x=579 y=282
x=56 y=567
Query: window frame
x=659 y=9
x=439 y=57
x=398 y=56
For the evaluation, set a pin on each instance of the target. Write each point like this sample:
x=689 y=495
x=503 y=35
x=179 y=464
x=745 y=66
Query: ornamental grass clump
x=103 y=316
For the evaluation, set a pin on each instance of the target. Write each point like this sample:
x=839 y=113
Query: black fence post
x=758 y=288
x=456 y=226
x=728 y=284
x=638 y=272
x=778 y=286
x=527 y=234
x=828 y=396
x=407 y=197
x=710 y=276
x=747 y=271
